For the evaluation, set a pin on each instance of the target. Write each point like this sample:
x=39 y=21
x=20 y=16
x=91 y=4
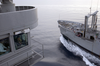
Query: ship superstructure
x=16 y=48
x=83 y=35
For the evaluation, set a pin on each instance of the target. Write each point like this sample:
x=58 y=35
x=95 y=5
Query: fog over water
x=57 y=2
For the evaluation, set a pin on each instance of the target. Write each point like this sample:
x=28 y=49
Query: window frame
x=10 y=42
x=25 y=47
x=12 y=45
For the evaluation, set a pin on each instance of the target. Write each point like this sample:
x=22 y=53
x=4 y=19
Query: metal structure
x=94 y=22
x=81 y=34
x=16 y=47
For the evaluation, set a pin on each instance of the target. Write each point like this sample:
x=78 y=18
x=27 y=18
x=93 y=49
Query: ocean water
x=49 y=15
x=66 y=12
x=48 y=33
x=88 y=58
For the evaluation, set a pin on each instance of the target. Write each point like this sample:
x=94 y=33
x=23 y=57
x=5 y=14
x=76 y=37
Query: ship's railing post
x=28 y=59
x=43 y=50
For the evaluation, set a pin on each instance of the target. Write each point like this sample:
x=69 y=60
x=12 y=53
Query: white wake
x=78 y=51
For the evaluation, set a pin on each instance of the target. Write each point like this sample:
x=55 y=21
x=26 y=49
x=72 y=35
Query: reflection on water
x=79 y=52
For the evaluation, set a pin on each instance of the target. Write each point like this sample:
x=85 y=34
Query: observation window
x=4 y=46
x=20 y=40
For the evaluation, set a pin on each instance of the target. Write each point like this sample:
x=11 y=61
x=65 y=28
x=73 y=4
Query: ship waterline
x=81 y=34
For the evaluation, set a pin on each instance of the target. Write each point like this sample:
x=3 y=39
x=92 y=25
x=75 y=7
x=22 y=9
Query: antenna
x=97 y=4
x=91 y=7
x=90 y=10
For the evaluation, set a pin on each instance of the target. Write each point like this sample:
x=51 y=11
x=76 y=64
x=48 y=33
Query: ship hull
x=93 y=47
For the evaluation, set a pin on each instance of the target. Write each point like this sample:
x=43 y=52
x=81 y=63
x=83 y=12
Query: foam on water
x=87 y=57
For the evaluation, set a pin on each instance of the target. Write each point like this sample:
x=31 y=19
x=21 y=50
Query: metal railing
x=18 y=8
x=38 y=54
x=38 y=47
x=30 y=60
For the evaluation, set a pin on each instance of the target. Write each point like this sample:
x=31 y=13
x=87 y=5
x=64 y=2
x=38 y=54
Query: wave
x=88 y=58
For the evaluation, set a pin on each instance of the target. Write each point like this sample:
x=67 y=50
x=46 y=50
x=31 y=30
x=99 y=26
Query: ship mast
x=93 y=24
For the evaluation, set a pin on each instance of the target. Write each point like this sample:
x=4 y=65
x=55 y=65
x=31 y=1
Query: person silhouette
x=2 y=47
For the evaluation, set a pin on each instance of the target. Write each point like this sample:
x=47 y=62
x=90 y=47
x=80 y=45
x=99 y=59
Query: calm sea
x=48 y=28
x=64 y=12
x=48 y=33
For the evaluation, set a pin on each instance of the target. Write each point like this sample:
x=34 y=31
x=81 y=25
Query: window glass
x=4 y=46
x=20 y=40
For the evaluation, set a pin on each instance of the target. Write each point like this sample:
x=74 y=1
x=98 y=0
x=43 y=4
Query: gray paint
x=93 y=46
x=17 y=20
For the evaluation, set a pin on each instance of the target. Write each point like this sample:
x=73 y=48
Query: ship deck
x=69 y=25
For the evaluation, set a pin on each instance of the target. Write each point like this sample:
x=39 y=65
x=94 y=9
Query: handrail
x=37 y=47
x=18 y=8
x=34 y=55
x=29 y=57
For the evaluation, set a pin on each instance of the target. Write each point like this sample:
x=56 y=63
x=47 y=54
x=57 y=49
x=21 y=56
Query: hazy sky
x=56 y=2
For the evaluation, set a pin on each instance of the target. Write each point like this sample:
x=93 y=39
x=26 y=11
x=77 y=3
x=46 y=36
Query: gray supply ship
x=16 y=46
x=83 y=35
